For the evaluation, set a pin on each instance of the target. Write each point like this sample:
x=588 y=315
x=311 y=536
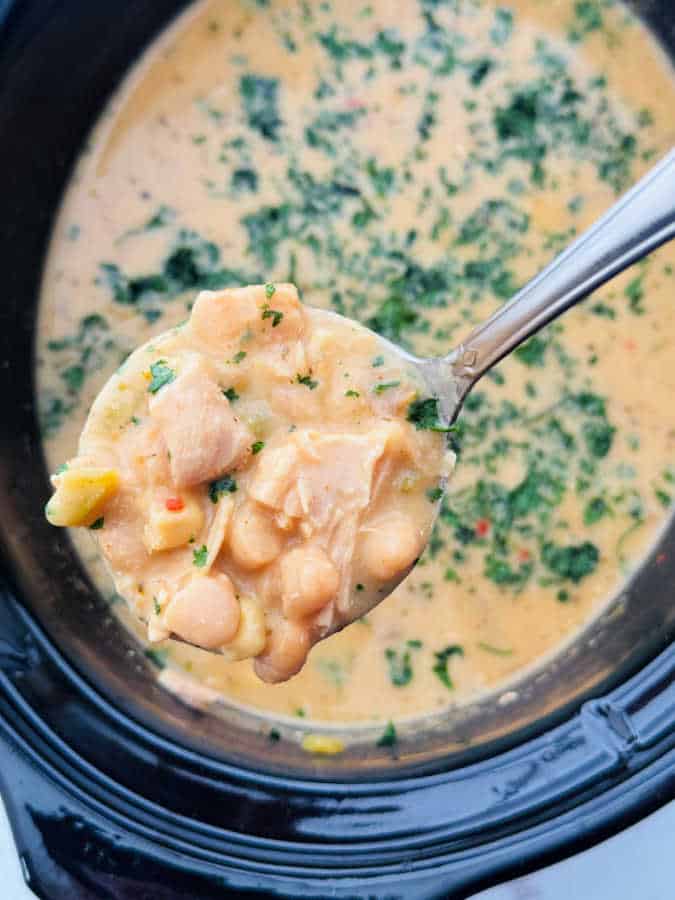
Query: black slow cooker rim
x=602 y=769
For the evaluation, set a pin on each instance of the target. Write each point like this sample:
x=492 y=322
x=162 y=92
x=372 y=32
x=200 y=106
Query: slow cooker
x=115 y=789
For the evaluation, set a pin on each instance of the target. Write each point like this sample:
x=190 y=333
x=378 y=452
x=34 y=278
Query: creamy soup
x=409 y=165
x=258 y=477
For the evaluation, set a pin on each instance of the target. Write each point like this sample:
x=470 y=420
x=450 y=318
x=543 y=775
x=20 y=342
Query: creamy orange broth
x=408 y=164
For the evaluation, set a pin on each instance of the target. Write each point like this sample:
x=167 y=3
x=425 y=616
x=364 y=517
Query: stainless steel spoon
x=642 y=220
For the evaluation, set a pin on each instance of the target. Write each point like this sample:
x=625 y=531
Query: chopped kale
x=663 y=497
x=479 y=69
x=76 y=356
x=307 y=380
x=383 y=179
x=385 y=386
x=393 y=316
x=274 y=314
x=400 y=666
x=496 y=651
x=587 y=18
x=596 y=508
x=260 y=99
x=342 y=48
x=503 y=573
x=389 y=737
x=599 y=437
x=502 y=27
x=532 y=352
x=634 y=292
x=200 y=556
x=499 y=216
x=324 y=130
x=442 y=658
x=572 y=562
x=192 y=264
x=425 y=416
x=158 y=657
x=221 y=486
x=244 y=180
x=161 y=376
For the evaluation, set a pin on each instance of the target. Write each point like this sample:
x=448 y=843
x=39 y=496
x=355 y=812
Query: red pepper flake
x=630 y=344
x=523 y=554
x=660 y=559
x=482 y=527
x=174 y=504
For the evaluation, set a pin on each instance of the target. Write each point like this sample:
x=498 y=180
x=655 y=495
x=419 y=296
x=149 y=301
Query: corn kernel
x=322 y=744
x=81 y=495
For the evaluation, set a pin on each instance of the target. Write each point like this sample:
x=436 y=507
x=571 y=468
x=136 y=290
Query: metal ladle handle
x=643 y=219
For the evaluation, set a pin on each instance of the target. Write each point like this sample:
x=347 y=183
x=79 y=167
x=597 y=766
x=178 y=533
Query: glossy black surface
x=116 y=789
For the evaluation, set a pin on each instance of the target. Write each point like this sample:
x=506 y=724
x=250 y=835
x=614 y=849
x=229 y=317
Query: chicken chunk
x=271 y=312
x=204 y=439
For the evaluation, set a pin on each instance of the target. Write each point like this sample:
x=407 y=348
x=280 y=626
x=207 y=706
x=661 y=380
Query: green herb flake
x=257 y=447
x=377 y=362
x=496 y=651
x=62 y=468
x=389 y=737
x=532 y=352
x=161 y=376
x=352 y=393
x=385 y=386
x=274 y=736
x=274 y=314
x=434 y=494
x=231 y=394
x=440 y=667
x=663 y=497
x=158 y=657
x=400 y=666
x=156 y=606
x=260 y=97
x=224 y=485
x=596 y=509
x=238 y=357
x=572 y=562
x=599 y=437
x=199 y=556
x=98 y=524
x=307 y=380
x=270 y=290
x=425 y=416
